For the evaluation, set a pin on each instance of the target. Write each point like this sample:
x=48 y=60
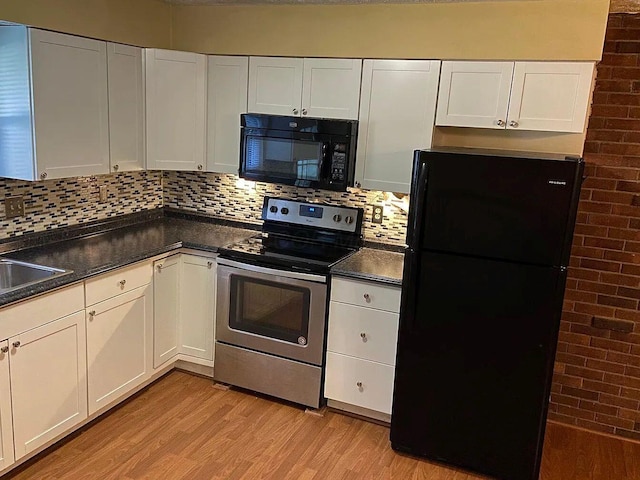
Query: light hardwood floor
x=184 y=428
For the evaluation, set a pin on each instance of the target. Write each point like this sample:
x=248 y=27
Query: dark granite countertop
x=105 y=250
x=369 y=264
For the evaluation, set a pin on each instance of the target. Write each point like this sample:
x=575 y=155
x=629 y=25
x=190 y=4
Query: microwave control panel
x=339 y=163
x=317 y=215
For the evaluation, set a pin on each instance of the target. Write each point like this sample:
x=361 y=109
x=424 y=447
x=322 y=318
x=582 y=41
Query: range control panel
x=311 y=214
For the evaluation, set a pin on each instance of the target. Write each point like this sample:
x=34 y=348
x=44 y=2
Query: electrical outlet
x=14 y=207
x=102 y=190
x=376 y=214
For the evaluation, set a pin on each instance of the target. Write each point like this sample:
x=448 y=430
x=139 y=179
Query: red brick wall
x=597 y=372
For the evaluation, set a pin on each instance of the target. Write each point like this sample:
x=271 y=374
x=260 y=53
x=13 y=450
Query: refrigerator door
x=511 y=208
x=475 y=356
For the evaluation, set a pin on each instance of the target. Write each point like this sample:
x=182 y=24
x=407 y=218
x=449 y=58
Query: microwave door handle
x=324 y=160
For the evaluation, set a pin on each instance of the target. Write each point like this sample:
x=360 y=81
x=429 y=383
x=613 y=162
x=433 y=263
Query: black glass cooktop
x=285 y=251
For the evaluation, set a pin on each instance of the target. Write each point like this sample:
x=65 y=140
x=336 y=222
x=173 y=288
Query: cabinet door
x=126 y=107
x=396 y=116
x=6 y=426
x=197 y=306
x=48 y=381
x=227 y=82
x=119 y=332
x=275 y=85
x=474 y=94
x=551 y=96
x=70 y=105
x=331 y=88
x=176 y=110
x=165 y=309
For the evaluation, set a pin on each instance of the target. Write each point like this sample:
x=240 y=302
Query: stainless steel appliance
x=272 y=298
x=306 y=152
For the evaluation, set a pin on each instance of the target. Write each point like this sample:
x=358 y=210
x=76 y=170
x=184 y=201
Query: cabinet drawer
x=363 y=332
x=365 y=294
x=359 y=382
x=120 y=281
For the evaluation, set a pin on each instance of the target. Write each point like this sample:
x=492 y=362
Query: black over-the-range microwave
x=305 y=152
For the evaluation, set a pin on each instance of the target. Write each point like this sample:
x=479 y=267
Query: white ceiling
x=304 y=2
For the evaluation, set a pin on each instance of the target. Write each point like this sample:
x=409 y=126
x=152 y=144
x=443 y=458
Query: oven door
x=272 y=311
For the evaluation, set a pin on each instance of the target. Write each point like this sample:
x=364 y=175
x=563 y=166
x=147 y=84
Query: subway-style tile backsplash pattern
x=59 y=203
x=227 y=196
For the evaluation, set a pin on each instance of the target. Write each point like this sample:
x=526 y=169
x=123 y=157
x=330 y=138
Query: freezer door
x=518 y=209
x=475 y=356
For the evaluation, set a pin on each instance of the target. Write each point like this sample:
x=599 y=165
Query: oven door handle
x=272 y=271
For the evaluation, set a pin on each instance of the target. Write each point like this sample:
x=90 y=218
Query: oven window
x=285 y=158
x=269 y=309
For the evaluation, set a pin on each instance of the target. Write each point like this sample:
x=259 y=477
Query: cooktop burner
x=301 y=236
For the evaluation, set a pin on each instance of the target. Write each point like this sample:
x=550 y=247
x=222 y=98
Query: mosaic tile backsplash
x=59 y=203
x=227 y=196
x=70 y=201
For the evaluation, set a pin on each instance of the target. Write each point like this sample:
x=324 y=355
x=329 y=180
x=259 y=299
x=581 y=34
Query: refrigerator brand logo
x=557 y=182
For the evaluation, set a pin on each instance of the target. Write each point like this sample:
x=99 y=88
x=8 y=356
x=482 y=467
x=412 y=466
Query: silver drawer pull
x=16 y=344
x=92 y=313
x=159 y=267
x=359 y=385
x=209 y=264
x=4 y=349
x=363 y=336
x=122 y=283
x=367 y=297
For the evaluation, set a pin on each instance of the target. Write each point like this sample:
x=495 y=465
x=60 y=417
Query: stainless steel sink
x=15 y=274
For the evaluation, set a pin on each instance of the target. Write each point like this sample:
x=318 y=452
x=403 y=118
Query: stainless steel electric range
x=272 y=297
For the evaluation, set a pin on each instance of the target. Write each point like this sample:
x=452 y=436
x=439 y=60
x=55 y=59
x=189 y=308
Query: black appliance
x=305 y=152
x=489 y=239
x=272 y=292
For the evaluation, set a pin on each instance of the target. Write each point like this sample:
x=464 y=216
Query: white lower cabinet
x=119 y=350
x=361 y=346
x=48 y=381
x=7 y=456
x=197 y=306
x=166 y=276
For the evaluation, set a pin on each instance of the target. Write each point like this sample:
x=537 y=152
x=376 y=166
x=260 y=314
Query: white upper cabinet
x=398 y=106
x=54 y=111
x=313 y=87
x=126 y=107
x=550 y=96
x=331 y=88
x=275 y=85
x=545 y=96
x=474 y=94
x=176 y=110
x=227 y=80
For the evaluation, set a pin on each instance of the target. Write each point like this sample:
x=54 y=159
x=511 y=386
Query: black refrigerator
x=489 y=239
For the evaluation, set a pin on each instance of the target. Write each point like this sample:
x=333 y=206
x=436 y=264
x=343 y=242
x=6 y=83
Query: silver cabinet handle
x=500 y=123
x=514 y=124
x=43 y=175
x=115 y=168
x=304 y=111
x=4 y=349
x=357 y=185
x=295 y=111
x=159 y=267
x=92 y=313
x=359 y=384
x=200 y=167
x=209 y=264
x=367 y=297
x=122 y=283
x=363 y=336
x=16 y=344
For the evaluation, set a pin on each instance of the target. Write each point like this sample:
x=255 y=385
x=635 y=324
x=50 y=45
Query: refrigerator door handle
x=417 y=204
x=409 y=288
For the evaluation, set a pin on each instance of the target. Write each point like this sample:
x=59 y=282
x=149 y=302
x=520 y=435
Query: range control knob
x=337 y=217
x=273 y=209
x=348 y=219
x=284 y=210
